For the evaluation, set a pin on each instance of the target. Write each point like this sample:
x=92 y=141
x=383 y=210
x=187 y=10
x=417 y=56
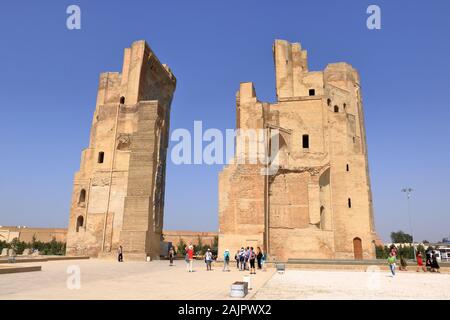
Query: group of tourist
x=431 y=263
x=246 y=258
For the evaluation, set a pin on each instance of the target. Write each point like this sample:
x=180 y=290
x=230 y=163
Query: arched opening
x=345 y=106
x=349 y=202
x=282 y=151
x=82 y=198
x=357 y=248
x=328 y=102
x=336 y=109
x=348 y=168
x=324 y=198
x=312 y=92
x=324 y=179
x=122 y=100
x=80 y=222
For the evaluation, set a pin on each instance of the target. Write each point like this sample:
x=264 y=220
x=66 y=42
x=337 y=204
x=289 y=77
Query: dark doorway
x=80 y=221
x=357 y=248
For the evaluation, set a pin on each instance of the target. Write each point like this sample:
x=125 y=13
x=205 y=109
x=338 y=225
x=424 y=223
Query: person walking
x=420 y=262
x=391 y=261
x=259 y=257
x=263 y=262
x=189 y=257
x=434 y=263
x=247 y=258
x=171 y=255
x=208 y=259
x=236 y=257
x=186 y=257
x=428 y=260
x=226 y=260
x=394 y=250
x=252 y=258
x=120 y=254
x=241 y=259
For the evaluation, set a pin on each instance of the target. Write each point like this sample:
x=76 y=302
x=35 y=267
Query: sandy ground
x=303 y=284
x=106 y=279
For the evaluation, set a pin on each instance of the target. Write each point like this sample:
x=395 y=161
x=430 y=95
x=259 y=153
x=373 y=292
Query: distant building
x=192 y=237
x=23 y=233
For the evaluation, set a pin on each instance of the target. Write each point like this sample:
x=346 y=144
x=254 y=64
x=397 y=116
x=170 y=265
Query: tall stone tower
x=118 y=194
x=318 y=204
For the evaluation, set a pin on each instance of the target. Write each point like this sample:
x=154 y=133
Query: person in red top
x=189 y=257
x=420 y=263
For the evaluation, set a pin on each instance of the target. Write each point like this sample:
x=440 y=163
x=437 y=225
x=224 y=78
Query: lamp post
x=408 y=199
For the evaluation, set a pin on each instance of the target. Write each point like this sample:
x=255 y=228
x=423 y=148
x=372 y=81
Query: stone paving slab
x=25 y=259
x=16 y=269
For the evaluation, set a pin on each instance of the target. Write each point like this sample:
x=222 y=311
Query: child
x=391 y=262
x=420 y=263
x=226 y=260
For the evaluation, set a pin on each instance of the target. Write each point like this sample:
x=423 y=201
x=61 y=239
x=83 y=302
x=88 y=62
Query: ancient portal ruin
x=319 y=203
x=118 y=194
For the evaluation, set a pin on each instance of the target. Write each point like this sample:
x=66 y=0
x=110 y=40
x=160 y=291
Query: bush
x=382 y=252
x=407 y=252
x=3 y=244
x=181 y=248
x=215 y=246
x=45 y=248
x=199 y=248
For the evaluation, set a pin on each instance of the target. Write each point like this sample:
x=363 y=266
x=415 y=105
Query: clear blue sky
x=49 y=78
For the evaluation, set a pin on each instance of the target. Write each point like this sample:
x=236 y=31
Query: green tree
x=381 y=252
x=181 y=247
x=215 y=246
x=406 y=252
x=401 y=237
x=199 y=248
x=4 y=244
x=18 y=246
x=45 y=248
x=33 y=242
x=421 y=249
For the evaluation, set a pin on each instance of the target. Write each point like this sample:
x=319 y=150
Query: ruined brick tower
x=319 y=203
x=118 y=194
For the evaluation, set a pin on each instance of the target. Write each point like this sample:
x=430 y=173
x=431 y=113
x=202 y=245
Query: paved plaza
x=106 y=279
x=302 y=284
